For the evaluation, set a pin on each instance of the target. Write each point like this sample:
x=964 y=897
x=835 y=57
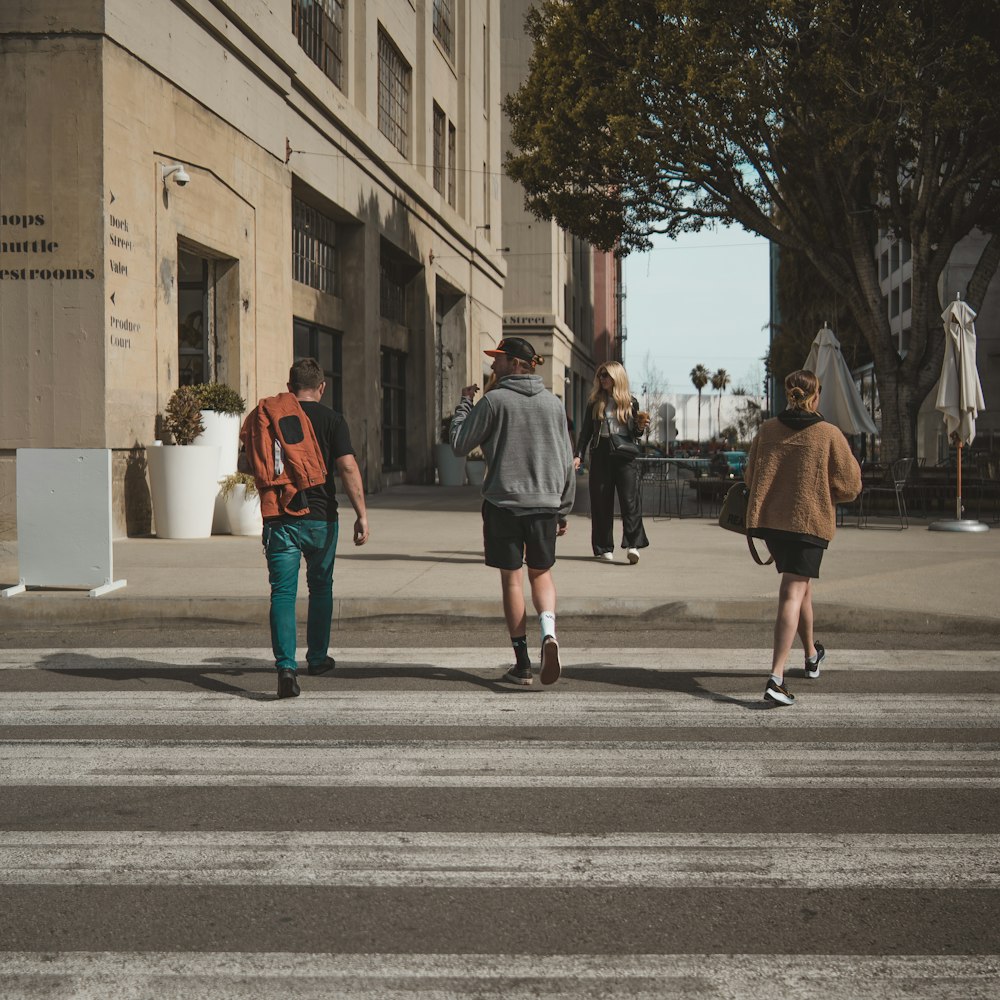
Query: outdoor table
x=662 y=477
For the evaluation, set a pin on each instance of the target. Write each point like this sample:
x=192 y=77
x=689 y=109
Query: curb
x=50 y=610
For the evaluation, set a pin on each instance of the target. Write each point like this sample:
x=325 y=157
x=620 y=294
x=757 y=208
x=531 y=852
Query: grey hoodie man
x=530 y=483
x=521 y=428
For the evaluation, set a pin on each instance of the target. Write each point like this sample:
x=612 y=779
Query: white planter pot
x=183 y=483
x=222 y=430
x=243 y=512
x=450 y=467
x=475 y=471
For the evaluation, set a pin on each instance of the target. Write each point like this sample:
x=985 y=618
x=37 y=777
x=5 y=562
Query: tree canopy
x=818 y=125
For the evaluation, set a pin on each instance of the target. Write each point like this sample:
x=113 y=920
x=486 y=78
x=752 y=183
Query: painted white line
x=284 y=976
x=496 y=764
x=626 y=708
x=483 y=860
x=488 y=659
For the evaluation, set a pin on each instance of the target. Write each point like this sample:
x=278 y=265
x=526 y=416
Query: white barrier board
x=64 y=519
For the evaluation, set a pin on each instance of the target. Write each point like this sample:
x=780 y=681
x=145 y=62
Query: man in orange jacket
x=308 y=524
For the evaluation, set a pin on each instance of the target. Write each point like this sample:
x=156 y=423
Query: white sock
x=777 y=680
x=547 y=621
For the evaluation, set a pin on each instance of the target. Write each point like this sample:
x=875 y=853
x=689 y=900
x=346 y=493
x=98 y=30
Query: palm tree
x=719 y=382
x=699 y=379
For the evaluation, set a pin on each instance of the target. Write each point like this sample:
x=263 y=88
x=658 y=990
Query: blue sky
x=702 y=298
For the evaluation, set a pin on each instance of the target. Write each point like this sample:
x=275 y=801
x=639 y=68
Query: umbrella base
x=962 y=525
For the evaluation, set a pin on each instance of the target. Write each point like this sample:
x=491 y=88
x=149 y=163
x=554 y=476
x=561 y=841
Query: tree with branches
x=699 y=379
x=818 y=125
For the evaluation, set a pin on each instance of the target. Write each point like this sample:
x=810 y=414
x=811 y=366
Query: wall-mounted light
x=181 y=177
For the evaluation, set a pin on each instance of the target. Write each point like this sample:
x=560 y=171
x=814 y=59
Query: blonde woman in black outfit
x=612 y=409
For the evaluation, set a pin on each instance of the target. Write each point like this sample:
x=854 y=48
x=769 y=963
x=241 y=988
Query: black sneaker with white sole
x=518 y=675
x=813 y=662
x=778 y=693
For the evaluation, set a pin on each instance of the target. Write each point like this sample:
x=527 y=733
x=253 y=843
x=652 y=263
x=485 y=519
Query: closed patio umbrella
x=959 y=396
x=840 y=402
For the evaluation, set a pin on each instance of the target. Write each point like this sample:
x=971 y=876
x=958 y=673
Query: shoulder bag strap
x=756 y=558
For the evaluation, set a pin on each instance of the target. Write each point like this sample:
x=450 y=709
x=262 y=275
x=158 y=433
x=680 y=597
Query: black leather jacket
x=590 y=433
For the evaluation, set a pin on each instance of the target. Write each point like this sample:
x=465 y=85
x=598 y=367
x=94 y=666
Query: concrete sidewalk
x=424 y=557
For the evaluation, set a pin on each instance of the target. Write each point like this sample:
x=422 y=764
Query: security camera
x=181 y=177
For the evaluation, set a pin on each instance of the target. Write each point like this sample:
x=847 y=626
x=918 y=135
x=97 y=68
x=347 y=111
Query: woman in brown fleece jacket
x=799 y=469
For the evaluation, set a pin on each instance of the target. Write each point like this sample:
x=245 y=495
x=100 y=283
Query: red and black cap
x=516 y=347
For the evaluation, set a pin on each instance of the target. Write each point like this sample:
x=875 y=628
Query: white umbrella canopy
x=960 y=394
x=840 y=402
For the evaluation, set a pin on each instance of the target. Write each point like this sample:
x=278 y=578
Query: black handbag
x=623 y=447
x=733 y=517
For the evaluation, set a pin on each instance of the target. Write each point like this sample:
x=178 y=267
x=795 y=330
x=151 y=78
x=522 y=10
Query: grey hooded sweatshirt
x=522 y=430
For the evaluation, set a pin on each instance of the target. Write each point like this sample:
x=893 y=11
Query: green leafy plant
x=219 y=397
x=234 y=479
x=183 y=415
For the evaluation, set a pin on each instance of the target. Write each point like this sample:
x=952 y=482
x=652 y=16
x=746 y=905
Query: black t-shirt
x=334 y=439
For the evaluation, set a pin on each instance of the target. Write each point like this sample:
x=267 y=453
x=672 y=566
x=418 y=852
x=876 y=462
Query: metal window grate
x=442 y=23
x=392 y=289
x=319 y=27
x=314 y=248
x=393 y=94
x=439 y=122
x=452 y=168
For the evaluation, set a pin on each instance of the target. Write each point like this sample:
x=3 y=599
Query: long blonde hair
x=620 y=394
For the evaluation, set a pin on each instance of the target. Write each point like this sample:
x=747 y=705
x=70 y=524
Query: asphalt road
x=411 y=826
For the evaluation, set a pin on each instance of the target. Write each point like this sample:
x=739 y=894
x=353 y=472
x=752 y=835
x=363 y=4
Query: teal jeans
x=284 y=546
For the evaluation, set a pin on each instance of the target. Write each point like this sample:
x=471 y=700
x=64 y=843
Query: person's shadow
x=212 y=675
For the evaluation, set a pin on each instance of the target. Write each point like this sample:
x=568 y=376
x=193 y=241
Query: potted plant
x=238 y=492
x=183 y=481
x=475 y=467
x=450 y=467
x=221 y=409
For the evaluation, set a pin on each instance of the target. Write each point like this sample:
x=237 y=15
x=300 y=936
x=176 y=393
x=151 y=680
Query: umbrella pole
x=958 y=498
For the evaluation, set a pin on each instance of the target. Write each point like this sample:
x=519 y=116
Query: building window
x=442 y=23
x=392 y=289
x=486 y=199
x=314 y=248
x=486 y=70
x=393 y=94
x=894 y=256
x=393 y=410
x=195 y=314
x=907 y=295
x=893 y=303
x=319 y=27
x=906 y=251
x=310 y=340
x=452 y=168
x=439 y=121
x=883 y=266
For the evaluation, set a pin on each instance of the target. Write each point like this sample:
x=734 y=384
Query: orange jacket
x=283 y=453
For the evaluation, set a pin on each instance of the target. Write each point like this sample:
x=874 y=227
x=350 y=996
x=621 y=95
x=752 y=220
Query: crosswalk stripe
x=488 y=659
x=286 y=976
x=496 y=763
x=478 y=860
x=557 y=708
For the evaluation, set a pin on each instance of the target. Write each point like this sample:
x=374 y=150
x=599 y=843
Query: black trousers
x=608 y=476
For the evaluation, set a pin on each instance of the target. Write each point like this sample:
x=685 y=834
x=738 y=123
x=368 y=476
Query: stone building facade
x=205 y=190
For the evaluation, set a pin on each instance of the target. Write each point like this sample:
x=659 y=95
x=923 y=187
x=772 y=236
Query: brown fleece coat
x=798 y=476
x=281 y=420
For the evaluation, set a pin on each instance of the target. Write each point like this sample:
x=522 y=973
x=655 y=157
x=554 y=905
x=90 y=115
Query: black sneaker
x=288 y=684
x=518 y=675
x=551 y=668
x=323 y=667
x=778 y=693
x=812 y=663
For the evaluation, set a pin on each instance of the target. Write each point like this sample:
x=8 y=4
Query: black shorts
x=794 y=556
x=511 y=540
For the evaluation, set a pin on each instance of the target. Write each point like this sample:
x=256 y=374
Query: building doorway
x=195 y=318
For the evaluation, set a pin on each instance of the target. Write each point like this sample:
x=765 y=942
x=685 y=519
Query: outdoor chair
x=894 y=485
